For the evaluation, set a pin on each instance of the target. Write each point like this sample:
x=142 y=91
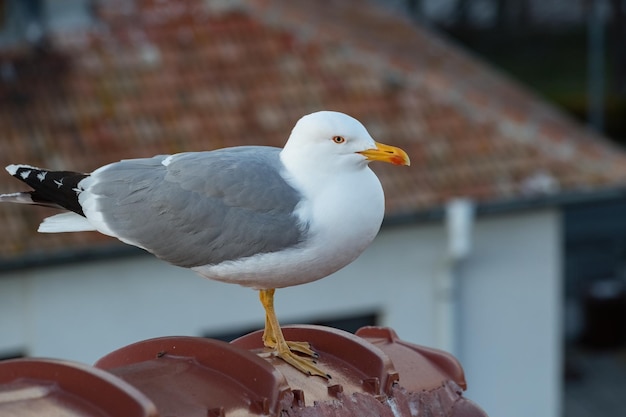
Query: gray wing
x=203 y=207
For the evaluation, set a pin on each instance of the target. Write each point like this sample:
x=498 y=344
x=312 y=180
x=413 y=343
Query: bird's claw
x=302 y=347
x=303 y=364
x=289 y=353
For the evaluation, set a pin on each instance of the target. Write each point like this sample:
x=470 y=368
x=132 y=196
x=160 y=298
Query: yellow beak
x=387 y=153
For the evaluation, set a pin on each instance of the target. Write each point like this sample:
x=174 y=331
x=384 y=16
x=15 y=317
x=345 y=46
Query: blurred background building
x=503 y=243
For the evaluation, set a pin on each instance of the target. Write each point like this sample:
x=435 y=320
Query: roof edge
x=67 y=256
x=512 y=205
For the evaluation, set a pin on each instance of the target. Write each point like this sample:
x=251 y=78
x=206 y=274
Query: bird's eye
x=339 y=139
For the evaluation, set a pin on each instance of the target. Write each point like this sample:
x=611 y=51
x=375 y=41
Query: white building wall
x=509 y=312
x=511 y=315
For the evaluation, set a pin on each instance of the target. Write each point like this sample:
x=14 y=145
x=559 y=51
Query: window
x=29 y=21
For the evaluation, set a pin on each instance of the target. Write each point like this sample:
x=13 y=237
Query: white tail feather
x=20 y=198
x=65 y=222
x=25 y=198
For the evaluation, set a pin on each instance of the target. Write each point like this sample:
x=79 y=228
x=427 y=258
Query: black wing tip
x=52 y=188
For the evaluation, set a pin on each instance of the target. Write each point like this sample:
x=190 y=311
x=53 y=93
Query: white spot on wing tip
x=167 y=160
x=25 y=174
x=12 y=169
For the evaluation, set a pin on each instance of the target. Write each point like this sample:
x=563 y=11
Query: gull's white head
x=331 y=139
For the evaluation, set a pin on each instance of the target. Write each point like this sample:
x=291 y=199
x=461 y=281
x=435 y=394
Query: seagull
x=258 y=216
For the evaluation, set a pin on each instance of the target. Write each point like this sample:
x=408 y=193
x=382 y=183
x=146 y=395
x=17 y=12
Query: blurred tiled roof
x=168 y=76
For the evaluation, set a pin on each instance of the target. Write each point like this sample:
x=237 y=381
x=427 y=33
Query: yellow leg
x=274 y=339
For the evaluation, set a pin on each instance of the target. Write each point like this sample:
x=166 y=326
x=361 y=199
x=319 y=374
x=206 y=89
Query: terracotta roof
x=168 y=76
x=374 y=374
